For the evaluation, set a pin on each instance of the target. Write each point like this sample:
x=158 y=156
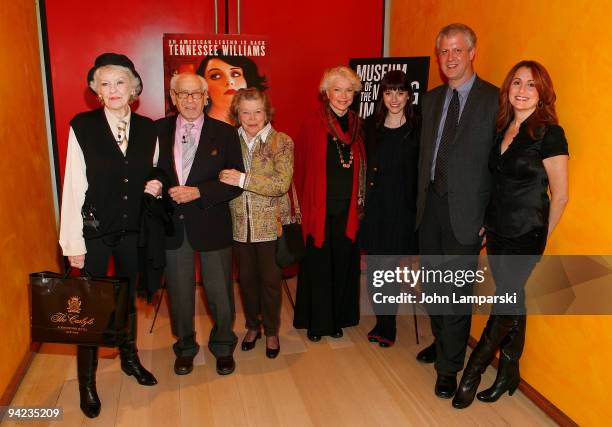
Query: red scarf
x=310 y=171
x=353 y=132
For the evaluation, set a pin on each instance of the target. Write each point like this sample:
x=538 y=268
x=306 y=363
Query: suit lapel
x=170 y=137
x=437 y=106
x=470 y=104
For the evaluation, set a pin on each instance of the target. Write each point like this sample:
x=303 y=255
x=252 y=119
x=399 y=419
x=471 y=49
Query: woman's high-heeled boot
x=495 y=332
x=87 y=364
x=508 y=375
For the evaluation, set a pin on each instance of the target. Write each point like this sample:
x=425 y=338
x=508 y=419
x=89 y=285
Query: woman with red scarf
x=329 y=175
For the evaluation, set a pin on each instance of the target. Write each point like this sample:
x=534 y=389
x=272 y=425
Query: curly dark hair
x=249 y=67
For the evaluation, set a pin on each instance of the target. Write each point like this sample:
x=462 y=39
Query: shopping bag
x=79 y=310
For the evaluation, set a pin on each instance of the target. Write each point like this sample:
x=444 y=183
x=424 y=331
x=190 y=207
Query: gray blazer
x=469 y=179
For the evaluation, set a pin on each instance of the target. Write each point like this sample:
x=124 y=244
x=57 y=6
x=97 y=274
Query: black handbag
x=79 y=310
x=290 y=247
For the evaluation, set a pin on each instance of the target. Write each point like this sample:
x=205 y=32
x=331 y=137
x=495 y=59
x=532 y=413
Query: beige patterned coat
x=270 y=170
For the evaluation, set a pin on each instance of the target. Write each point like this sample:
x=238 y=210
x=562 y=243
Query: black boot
x=495 y=332
x=87 y=364
x=508 y=376
x=130 y=363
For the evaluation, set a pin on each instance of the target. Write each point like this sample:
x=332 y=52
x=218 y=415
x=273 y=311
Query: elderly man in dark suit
x=453 y=191
x=193 y=149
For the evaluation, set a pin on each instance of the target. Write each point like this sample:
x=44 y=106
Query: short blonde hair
x=134 y=81
x=333 y=73
x=452 y=29
x=250 y=94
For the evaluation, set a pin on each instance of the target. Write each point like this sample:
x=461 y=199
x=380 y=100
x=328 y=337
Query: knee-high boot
x=494 y=334
x=130 y=362
x=87 y=364
x=508 y=375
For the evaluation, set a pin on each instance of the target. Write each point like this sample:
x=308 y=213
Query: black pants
x=260 y=285
x=437 y=241
x=124 y=250
x=217 y=282
x=512 y=259
x=328 y=282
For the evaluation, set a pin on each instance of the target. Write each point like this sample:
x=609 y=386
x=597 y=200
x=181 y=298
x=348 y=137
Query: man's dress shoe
x=446 y=386
x=183 y=365
x=225 y=365
x=428 y=354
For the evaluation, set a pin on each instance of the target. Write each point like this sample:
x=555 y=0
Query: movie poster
x=227 y=62
x=372 y=70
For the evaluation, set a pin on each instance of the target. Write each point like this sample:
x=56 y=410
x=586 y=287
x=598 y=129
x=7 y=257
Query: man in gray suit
x=453 y=190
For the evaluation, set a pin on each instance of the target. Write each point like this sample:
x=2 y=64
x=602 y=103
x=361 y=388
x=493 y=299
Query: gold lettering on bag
x=71 y=320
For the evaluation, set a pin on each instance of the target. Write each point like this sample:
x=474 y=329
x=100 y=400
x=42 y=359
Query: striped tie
x=122 y=139
x=440 y=184
x=189 y=150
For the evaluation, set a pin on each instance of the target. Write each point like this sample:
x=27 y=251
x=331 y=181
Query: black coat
x=388 y=226
x=207 y=220
x=155 y=224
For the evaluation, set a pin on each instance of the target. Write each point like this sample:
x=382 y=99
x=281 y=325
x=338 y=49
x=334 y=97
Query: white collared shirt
x=113 y=122
x=250 y=142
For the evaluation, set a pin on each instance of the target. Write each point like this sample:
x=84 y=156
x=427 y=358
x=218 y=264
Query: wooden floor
x=335 y=382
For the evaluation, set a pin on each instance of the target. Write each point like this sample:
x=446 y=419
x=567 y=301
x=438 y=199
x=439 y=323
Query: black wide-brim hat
x=110 y=58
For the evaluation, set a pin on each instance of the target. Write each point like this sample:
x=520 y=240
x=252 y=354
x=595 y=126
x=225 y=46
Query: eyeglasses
x=196 y=96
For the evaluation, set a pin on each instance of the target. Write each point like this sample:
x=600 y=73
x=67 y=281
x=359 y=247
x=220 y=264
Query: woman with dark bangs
x=392 y=148
x=529 y=160
x=226 y=75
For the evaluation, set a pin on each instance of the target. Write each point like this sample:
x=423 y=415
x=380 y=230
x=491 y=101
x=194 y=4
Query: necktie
x=189 y=149
x=440 y=184
x=122 y=139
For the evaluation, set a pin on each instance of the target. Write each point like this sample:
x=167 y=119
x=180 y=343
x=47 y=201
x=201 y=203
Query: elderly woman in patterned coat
x=257 y=214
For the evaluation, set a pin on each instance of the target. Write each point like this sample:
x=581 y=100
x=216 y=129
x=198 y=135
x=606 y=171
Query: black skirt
x=328 y=281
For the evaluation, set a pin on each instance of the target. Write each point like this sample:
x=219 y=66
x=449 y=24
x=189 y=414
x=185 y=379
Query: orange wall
x=28 y=240
x=567 y=359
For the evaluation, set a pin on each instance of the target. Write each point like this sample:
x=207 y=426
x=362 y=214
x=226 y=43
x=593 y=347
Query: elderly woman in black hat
x=111 y=152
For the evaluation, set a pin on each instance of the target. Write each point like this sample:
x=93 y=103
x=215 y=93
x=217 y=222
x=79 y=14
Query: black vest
x=115 y=183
